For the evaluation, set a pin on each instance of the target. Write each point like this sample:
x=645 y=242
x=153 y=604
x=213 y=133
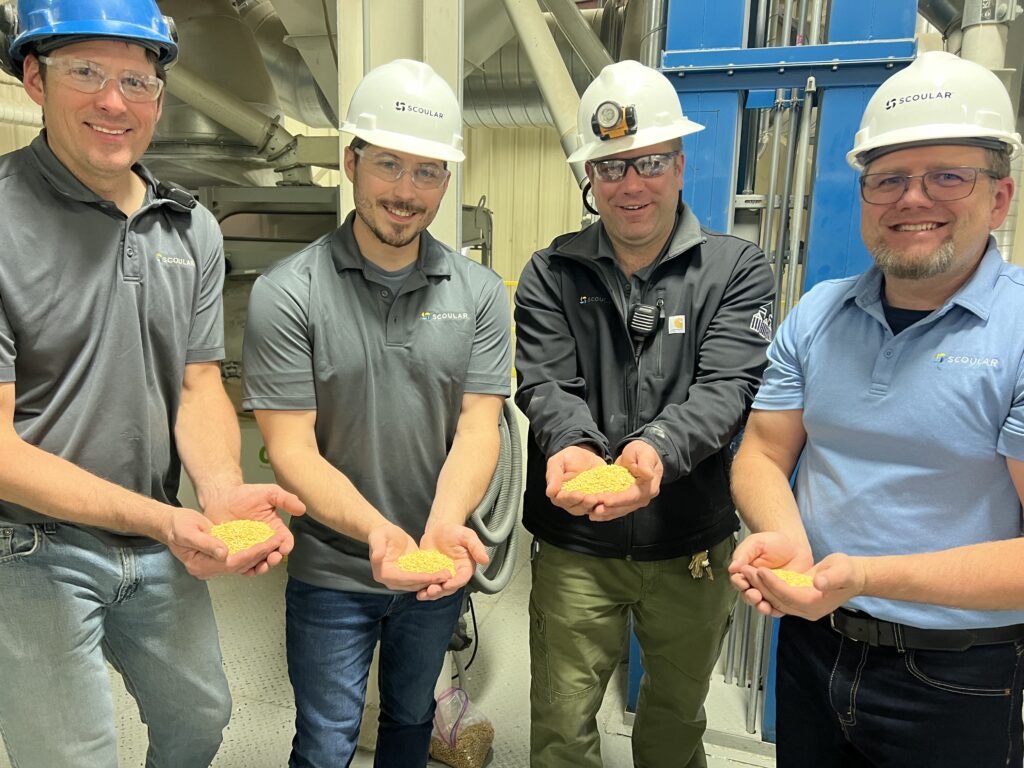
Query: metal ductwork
x=503 y=92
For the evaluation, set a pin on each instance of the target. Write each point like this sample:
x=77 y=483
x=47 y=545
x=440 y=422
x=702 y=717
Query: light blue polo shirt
x=907 y=435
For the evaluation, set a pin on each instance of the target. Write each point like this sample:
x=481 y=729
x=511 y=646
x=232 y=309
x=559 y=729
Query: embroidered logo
x=175 y=261
x=593 y=300
x=444 y=316
x=677 y=324
x=969 y=361
x=761 y=322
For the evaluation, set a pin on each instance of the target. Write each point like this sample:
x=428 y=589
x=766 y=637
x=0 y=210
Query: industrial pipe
x=19 y=114
x=799 y=190
x=580 y=34
x=556 y=85
x=652 y=39
x=271 y=140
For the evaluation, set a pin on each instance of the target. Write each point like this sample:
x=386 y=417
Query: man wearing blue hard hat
x=110 y=337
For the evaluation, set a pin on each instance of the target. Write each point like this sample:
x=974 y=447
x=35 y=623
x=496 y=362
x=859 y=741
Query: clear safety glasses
x=88 y=77
x=389 y=168
x=646 y=166
x=940 y=185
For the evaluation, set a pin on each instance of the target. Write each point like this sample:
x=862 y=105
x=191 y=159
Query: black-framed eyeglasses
x=941 y=185
x=89 y=77
x=389 y=168
x=646 y=166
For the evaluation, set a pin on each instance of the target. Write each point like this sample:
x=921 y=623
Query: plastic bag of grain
x=462 y=734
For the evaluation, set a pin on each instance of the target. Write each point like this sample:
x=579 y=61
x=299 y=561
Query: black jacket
x=686 y=393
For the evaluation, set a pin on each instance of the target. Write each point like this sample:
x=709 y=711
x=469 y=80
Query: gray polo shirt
x=385 y=374
x=99 y=313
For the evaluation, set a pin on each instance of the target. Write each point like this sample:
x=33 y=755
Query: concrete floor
x=250 y=616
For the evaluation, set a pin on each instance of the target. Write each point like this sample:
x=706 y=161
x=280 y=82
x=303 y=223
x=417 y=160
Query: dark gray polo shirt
x=385 y=374
x=99 y=313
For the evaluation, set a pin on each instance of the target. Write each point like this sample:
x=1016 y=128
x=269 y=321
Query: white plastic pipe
x=19 y=114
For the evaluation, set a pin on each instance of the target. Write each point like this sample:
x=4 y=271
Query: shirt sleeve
x=551 y=391
x=8 y=351
x=206 y=336
x=277 y=352
x=490 y=362
x=1011 y=436
x=783 y=386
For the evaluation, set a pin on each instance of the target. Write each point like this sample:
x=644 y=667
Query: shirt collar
x=431 y=261
x=975 y=295
x=66 y=183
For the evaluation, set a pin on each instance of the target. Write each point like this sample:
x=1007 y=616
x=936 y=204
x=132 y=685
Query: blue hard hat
x=137 y=21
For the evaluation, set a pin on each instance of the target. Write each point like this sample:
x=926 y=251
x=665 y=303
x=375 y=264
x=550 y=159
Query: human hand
x=837 y=579
x=465 y=549
x=388 y=542
x=564 y=466
x=767 y=550
x=644 y=463
x=246 y=502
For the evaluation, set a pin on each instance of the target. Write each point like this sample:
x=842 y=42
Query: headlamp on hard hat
x=612 y=121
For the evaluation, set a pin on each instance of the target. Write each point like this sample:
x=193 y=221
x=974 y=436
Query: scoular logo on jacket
x=444 y=315
x=944 y=359
x=593 y=300
x=174 y=261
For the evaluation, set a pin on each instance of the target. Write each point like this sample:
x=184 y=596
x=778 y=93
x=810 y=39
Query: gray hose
x=496 y=518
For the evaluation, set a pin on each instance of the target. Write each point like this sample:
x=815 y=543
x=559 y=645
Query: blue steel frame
x=716 y=76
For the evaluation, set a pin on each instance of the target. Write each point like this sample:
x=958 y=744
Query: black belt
x=867 y=629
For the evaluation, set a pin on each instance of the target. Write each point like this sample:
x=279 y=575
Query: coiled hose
x=496 y=518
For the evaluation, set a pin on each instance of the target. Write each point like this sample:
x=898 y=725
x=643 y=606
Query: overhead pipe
x=580 y=34
x=556 y=86
x=986 y=29
x=944 y=15
x=652 y=39
x=12 y=113
x=271 y=140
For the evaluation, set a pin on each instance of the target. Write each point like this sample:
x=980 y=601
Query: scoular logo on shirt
x=444 y=316
x=969 y=361
x=174 y=261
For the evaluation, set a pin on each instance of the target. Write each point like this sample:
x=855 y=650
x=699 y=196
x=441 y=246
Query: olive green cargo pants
x=579 y=617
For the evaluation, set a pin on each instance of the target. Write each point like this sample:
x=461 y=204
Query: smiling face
x=637 y=213
x=918 y=238
x=393 y=212
x=97 y=136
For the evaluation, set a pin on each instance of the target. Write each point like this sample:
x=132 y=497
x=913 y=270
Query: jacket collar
x=592 y=242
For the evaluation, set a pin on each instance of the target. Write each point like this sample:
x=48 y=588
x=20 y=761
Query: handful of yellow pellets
x=239 y=535
x=793 y=578
x=426 y=561
x=607 y=478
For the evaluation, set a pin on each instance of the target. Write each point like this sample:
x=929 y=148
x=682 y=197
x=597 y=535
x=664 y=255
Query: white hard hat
x=938 y=99
x=628 y=106
x=406 y=106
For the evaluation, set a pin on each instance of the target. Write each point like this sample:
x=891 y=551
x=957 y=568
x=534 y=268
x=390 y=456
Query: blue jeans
x=845 y=704
x=331 y=636
x=67 y=602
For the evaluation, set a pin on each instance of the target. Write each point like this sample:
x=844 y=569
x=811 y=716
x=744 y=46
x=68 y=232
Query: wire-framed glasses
x=941 y=185
x=389 y=168
x=646 y=166
x=88 y=77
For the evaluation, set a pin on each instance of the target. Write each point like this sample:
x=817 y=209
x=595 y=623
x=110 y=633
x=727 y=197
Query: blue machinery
x=740 y=89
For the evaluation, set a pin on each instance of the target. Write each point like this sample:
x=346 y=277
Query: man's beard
x=894 y=264
x=398 y=237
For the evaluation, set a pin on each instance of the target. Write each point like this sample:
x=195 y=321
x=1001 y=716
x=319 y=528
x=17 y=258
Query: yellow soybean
x=426 y=561
x=239 y=535
x=607 y=478
x=793 y=578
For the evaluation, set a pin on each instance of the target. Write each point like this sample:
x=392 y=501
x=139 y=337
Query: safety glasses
x=88 y=77
x=940 y=185
x=646 y=166
x=389 y=168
